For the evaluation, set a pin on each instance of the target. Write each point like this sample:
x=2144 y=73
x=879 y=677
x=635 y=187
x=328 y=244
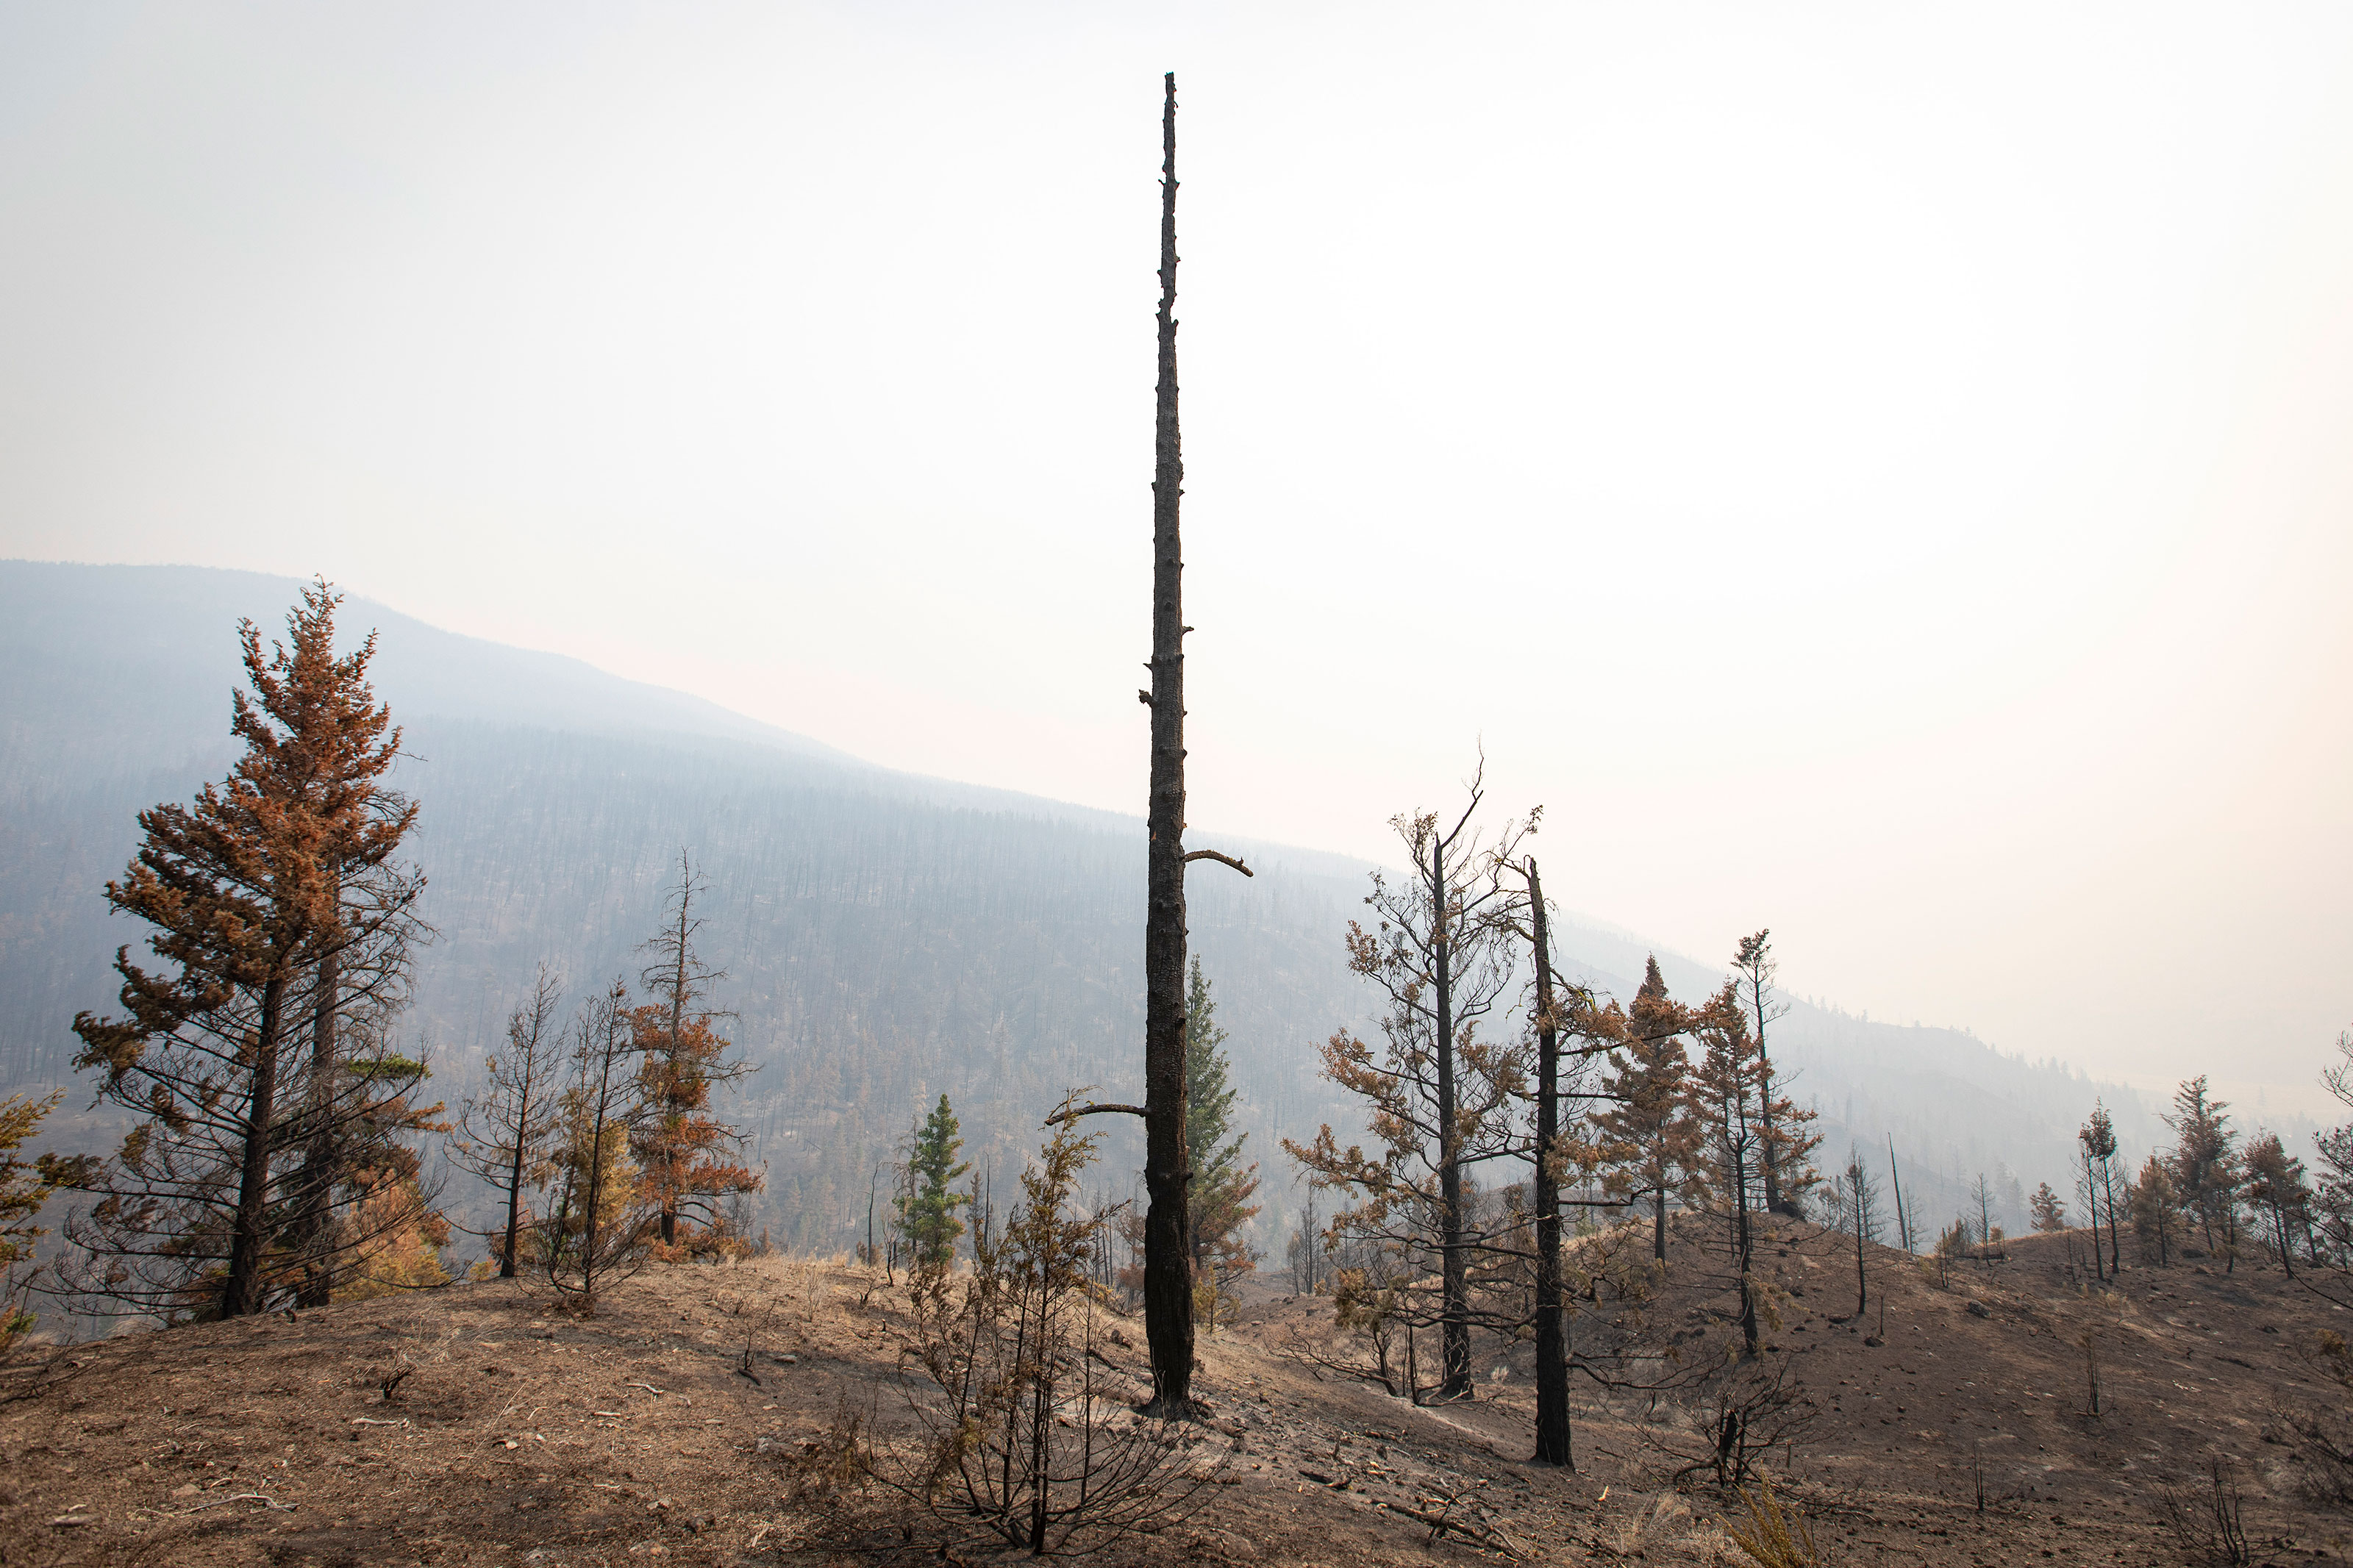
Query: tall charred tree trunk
x=243 y=1292
x=1552 y=1355
x=1744 y=1239
x=673 y=1157
x=1455 y=1265
x=1862 y=1279
x=319 y=1173
x=1896 y=1177
x=1167 y=1260
x=510 y=1246
x=2115 y=1238
x=1751 y=1338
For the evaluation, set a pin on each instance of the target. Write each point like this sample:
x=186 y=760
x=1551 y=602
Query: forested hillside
x=887 y=938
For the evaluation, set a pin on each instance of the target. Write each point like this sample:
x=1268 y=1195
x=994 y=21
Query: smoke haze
x=1876 y=475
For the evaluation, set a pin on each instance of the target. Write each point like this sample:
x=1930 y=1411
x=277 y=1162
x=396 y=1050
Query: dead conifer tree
x=2095 y=1159
x=684 y=1150
x=1168 y=1220
x=1648 y=1135
x=1753 y=968
x=280 y=906
x=1862 y=1205
x=1895 y=1180
x=1981 y=1199
x=1553 y=1436
x=1440 y=1098
x=502 y=1135
x=1563 y=1013
x=602 y=1224
x=1728 y=1091
x=25 y=1187
x=1168 y=1180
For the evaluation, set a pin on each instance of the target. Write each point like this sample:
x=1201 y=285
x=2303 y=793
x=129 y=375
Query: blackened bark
x=509 y=1251
x=508 y=1263
x=668 y=1111
x=2099 y=1253
x=1167 y=1262
x=243 y=1293
x=1861 y=1279
x=2115 y=1244
x=1765 y=1078
x=1454 y=1263
x=1552 y=1356
x=319 y=1173
x=1745 y=1244
x=1903 y=1220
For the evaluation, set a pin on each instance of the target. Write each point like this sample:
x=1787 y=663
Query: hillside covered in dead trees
x=551 y=1158
x=1553 y=1246
x=887 y=938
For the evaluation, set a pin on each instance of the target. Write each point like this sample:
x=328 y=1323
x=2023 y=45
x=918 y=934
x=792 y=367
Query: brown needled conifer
x=1648 y=1132
x=685 y=1152
x=277 y=908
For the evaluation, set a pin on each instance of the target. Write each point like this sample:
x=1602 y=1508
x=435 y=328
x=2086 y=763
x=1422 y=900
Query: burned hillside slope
x=477 y=1424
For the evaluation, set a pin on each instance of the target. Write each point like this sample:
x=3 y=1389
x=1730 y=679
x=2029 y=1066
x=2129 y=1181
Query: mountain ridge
x=889 y=932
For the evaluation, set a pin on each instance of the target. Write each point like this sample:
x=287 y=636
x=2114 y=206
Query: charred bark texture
x=319 y=1172
x=1552 y=1354
x=243 y=1292
x=1454 y=1260
x=1167 y=1262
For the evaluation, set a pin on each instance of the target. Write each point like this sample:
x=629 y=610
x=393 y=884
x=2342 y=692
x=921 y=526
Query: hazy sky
x=1880 y=473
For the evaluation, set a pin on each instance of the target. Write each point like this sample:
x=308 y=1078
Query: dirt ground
x=515 y=1435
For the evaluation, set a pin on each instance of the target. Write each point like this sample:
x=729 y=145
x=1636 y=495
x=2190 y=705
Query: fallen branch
x=1295 y=1350
x=36 y=1381
x=1479 y=1534
x=239 y=1497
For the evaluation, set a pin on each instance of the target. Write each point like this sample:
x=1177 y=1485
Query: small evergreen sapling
x=2045 y=1209
x=928 y=1201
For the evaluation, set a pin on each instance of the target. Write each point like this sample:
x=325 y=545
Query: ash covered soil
x=517 y=1434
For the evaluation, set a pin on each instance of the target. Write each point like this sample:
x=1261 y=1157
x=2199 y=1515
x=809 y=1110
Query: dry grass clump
x=1773 y=1535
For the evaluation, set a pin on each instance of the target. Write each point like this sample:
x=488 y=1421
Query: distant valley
x=887 y=937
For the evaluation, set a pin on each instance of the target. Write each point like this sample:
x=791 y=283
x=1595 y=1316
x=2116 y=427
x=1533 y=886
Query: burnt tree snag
x=1167 y=1219
x=1168 y=1225
x=1552 y=1355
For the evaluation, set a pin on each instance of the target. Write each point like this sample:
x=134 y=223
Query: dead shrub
x=389 y=1380
x=2206 y=1521
x=754 y=1325
x=840 y=1461
x=1365 y=1309
x=1021 y=1432
x=1731 y=1420
x=2323 y=1459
